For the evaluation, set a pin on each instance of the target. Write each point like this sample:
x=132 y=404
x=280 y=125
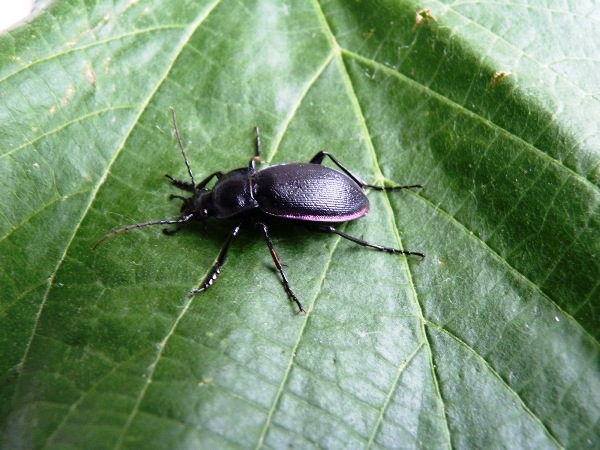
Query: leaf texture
x=490 y=342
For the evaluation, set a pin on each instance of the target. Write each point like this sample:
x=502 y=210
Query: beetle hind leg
x=319 y=157
x=257 y=156
x=331 y=229
x=393 y=188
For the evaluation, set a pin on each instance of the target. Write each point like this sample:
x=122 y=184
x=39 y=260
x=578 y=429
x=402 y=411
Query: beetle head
x=200 y=205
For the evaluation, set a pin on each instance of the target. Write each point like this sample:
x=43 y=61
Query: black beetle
x=309 y=193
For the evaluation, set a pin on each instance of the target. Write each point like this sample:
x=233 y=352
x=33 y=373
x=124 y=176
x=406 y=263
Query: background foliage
x=492 y=341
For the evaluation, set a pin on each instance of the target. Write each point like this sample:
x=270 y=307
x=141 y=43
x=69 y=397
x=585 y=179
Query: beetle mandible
x=309 y=193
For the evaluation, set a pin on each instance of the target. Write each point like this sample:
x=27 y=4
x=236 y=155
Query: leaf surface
x=491 y=341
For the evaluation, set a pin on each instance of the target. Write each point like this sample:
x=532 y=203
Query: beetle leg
x=186 y=186
x=331 y=229
x=171 y=232
x=216 y=270
x=277 y=262
x=393 y=188
x=257 y=142
x=257 y=157
x=319 y=157
x=179 y=225
x=204 y=182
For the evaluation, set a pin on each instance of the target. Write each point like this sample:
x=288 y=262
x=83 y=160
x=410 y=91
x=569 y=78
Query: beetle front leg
x=184 y=185
x=331 y=229
x=187 y=186
x=286 y=283
x=216 y=270
x=172 y=231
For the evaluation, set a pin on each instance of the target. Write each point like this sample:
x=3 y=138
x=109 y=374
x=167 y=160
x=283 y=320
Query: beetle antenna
x=185 y=158
x=181 y=220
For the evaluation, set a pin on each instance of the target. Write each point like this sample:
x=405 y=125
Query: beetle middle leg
x=331 y=229
x=319 y=157
x=216 y=270
x=277 y=262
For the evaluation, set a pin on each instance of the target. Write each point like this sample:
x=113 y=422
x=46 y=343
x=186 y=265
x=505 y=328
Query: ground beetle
x=309 y=193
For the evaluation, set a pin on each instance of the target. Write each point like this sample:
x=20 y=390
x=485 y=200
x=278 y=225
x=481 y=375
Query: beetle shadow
x=292 y=233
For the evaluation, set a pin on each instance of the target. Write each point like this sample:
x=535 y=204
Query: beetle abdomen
x=309 y=192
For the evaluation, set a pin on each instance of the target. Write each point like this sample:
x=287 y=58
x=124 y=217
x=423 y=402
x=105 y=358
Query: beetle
x=309 y=193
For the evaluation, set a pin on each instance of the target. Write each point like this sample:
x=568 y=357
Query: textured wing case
x=309 y=192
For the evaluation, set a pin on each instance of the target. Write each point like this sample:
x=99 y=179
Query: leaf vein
x=63 y=126
x=395 y=383
x=288 y=369
x=355 y=101
x=469 y=113
x=497 y=376
x=87 y=46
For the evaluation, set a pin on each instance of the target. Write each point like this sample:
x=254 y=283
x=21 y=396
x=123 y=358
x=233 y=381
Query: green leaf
x=491 y=341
